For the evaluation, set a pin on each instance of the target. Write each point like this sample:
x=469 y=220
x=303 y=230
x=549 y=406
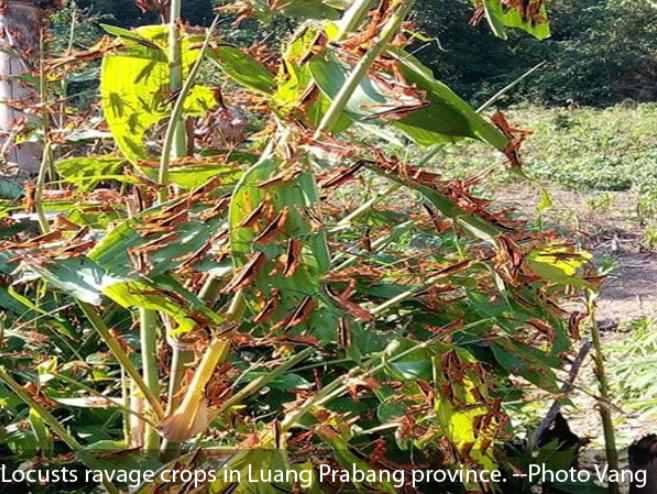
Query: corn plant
x=204 y=296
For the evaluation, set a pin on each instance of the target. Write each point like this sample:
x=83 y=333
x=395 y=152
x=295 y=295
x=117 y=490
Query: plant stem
x=45 y=415
x=148 y=337
x=603 y=405
x=40 y=184
x=390 y=29
x=354 y=16
x=174 y=146
x=121 y=357
x=216 y=352
x=127 y=411
x=365 y=207
x=177 y=146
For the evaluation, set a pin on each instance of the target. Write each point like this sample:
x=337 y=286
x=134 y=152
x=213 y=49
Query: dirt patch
x=612 y=232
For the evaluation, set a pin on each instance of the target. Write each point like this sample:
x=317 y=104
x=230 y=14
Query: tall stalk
x=172 y=148
x=148 y=336
x=176 y=74
x=605 y=410
x=46 y=157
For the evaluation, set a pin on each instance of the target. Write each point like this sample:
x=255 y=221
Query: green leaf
x=135 y=89
x=80 y=278
x=527 y=362
x=243 y=68
x=414 y=366
x=446 y=118
x=560 y=265
x=144 y=295
x=86 y=172
x=500 y=17
x=41 y=432
x=304 y=9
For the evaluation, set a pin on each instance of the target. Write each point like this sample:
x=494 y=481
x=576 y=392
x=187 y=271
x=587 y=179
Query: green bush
x=601 y=52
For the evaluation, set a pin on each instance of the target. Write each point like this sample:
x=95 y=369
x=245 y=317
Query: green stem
x=40 y=184
x=148 y=337
x=178 y=146
x=210 y=291
x=46 y=157
x=45 y=415
x=354 y=16
x=121 y=357
x=174 y=145
x=390 y=29
x=214 y=354
x=603 y=405
x=127 y=411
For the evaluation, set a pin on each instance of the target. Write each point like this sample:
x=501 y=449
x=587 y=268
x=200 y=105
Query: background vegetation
x=600 y=53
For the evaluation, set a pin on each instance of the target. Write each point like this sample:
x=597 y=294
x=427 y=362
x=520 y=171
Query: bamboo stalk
x=46 y=156
x=180 y=357
x=173 y=147
x=40 y=184
x=354 y=16
x=178 y=136
x=123 y=359
x=148 y=337
x=216 y=352
x=184 y=414
x=390 y=29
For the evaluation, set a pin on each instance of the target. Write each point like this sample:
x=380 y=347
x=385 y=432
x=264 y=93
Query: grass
x=613 y=149
x=632 y=363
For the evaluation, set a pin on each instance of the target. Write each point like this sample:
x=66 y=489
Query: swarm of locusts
x=262 y=264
